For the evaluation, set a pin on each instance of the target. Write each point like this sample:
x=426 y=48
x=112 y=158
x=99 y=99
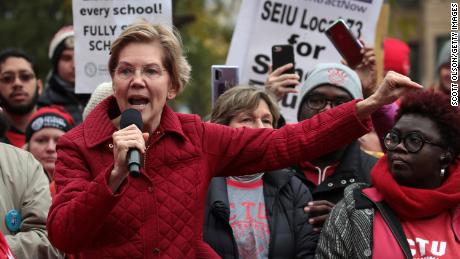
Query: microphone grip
x=134 y=162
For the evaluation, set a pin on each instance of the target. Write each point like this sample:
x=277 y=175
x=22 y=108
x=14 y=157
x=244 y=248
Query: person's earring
x=443 y=172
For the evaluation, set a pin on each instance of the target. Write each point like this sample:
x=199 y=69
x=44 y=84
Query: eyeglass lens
x=413 y=141
x=10 y=78
x=318 y=102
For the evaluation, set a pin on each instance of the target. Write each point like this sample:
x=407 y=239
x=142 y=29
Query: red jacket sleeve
x=242 y=151
x=78 y=196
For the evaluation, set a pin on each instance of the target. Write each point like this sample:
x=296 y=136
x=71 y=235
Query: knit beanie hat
x=49 y=117
x=101 y=92
x=63 y=39
x=444 y=56
x=396 y=56
x=334 y=74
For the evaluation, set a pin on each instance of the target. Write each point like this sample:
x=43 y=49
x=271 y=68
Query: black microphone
x=128 y=117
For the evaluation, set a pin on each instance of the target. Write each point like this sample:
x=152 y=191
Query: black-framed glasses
x=150 y=72
x=9 y=78
x=413 y=141
x=318 y=101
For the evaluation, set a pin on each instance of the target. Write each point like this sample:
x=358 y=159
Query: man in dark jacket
x=60 y=85
x=327 y=86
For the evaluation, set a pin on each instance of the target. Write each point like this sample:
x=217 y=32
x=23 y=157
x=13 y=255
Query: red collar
x=314 y=174
x=16 y=138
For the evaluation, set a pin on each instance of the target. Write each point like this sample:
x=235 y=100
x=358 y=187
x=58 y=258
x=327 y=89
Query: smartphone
x=282 y=55
x=345 y=42
x=223 y=77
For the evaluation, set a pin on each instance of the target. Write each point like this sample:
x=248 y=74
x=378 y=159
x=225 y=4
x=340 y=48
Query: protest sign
x=301 y=23
x=97 y=23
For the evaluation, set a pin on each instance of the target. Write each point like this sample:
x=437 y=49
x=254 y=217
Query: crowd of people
x=369 y=171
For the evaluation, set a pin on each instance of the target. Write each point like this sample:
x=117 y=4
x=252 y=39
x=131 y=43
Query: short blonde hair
x=239 y=99
x=174 y=60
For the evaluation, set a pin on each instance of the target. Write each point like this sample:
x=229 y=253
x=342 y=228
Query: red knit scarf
x=414 y=203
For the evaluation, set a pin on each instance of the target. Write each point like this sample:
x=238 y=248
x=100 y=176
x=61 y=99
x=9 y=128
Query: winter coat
x=285 y=197
x=347 y=232
x=354 y=167
x=24 y=187
x=160 y=214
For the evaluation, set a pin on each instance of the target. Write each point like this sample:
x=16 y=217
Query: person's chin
x=49 y=167
x=400 y=173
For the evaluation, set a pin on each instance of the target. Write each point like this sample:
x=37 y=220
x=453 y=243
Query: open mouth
x=138 y=102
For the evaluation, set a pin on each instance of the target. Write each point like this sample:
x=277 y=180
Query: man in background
x=19 y=91
x=60 y=85
x=443 y=70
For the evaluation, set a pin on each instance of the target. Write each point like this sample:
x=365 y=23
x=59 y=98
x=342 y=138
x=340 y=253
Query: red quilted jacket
x=160 y=214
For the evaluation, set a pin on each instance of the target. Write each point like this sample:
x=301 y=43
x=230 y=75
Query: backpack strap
x=363 y=202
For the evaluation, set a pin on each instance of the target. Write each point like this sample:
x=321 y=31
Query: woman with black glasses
x=411 y=211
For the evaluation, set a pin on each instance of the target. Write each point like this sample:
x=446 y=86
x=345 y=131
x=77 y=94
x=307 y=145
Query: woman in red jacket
x=101 y=212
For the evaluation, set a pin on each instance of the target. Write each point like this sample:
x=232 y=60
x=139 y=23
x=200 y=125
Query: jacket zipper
x=147 y=148
x=236 y=252
x=272 y=225
x=155 y=213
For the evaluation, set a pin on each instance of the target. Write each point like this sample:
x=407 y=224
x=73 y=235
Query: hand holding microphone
x=128 y=147
x=129 y=117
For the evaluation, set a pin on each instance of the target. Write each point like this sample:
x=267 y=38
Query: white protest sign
x=97 y=23
x=301 y=23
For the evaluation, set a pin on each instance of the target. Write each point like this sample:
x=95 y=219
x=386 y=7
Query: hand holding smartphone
x=282 y=55
x=344 y=41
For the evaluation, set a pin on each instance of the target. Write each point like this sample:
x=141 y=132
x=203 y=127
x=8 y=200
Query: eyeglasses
x=413 y=141
x=10 y=78
x=150 y=72
x=318 y=102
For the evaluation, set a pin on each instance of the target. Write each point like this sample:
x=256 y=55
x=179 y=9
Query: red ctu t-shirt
x=432 y=237
x=248 y=218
